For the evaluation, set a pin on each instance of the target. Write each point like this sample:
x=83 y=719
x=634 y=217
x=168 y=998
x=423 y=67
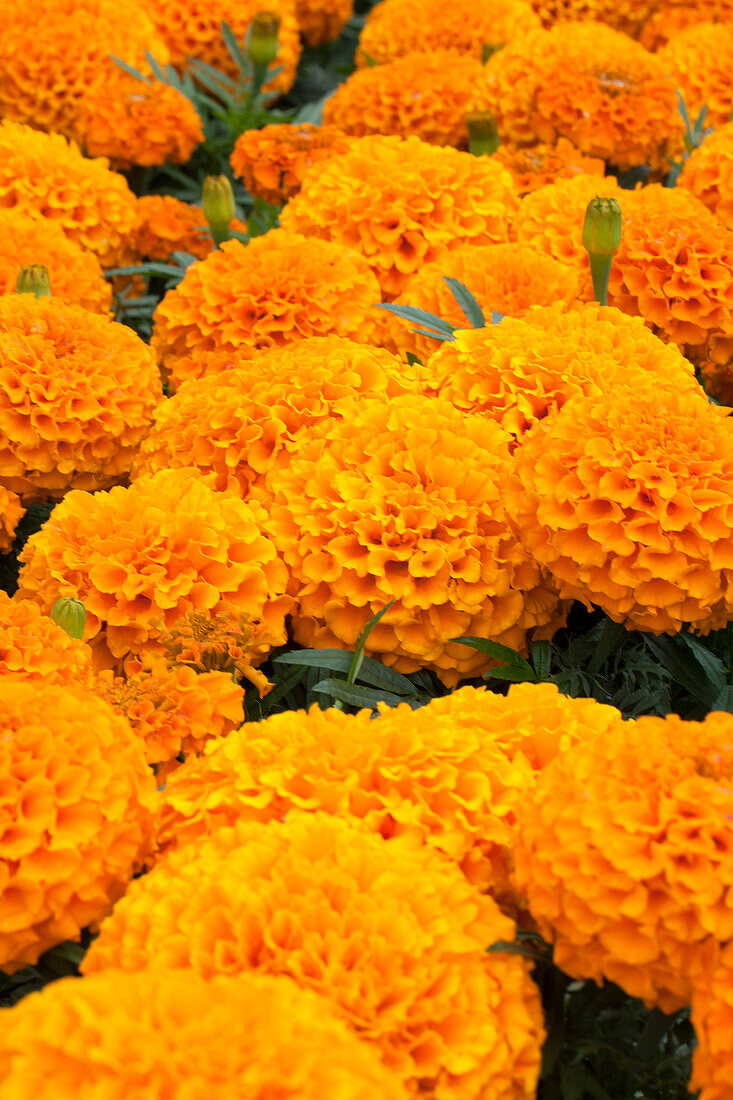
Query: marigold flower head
x=394 y=28
x=223 y=641
x=503 y=278
x=538 y=165
x=241 y=423
x=520 y=371
x=11 y=513
x=34 y=647
x=166 y=225
x=403 y=203
x=624 y=15
x=403 y=501
x=141 y=558
x=46 y=174
x=322 y=20
x=712 y=1000
x=426 y=94
x=77 y=393
x=624 y=498
x=280 y=895
x=273 y=161
x=588 y=83
x=132 y=122
x=78 y=803
x=669 y=20
x=276 y=290
x=699 y=61
x=624 y=852
x=161 y=1034
x=708 y=173
x=192 y=32
x=56 y=53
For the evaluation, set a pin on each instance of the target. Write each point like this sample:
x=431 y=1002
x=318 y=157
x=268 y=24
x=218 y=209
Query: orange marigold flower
x=503 y=278
x=190 y=31
x=708 y=173
x=674 y=17
x=404 y=501
x=46 y=174
x=34 y=647
x=712 y=1001
x=77 y=393
x=78 y=804
x=141 y=558
x=624 y=852
x=241 y=424
x=274 y=160
x=451 y=774
x=624 y=15
x=394 y=28
x=588 y=83
x=520 y=371
x=55 y=53
x=295 y=888
x=538 y=165
x=625 y=499
x=166 y=225
x=224 y=641
x=11 y=513
x=132 y=122
x=699 y=61
x=159 y=1035
x=322 y=20
x=404 y=203
x=426 y=94
x=274 y=291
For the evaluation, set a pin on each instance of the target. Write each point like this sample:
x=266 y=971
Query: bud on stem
x=218 y=206
x=483 y=135
x=601 y=237
x=71 y=615
x=262 y=46
x=34 y=279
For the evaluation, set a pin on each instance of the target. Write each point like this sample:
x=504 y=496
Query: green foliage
x=695 y=134
x=62 y=961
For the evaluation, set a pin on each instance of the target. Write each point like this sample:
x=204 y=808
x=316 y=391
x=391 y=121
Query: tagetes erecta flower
x=503 y=278
x=522 y=370
x=426 y=94
x=77 y=393
x=223 y=641
x=132 y=122
x=403 y=203
x=321 y=21
x=166 y=225
x=278 y=289
x=295 y=888
x=699 y=61
x=273 y=161
x=451 y=774
x=712 y=1011
x=141 y=558
x=46 y=174
x=190 y=32
x=242 y=423
x=404 y=501
x=34 y=647
x=624 y=15
x=672 y=18
x=708 y=173
x=624 y=852
x=588 y=83
x=624 y=498
x=538 y=165
x=394 y=28
x=159 y=1034
x=78 y=804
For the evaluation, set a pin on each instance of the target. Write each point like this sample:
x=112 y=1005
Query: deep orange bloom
x=165 y=225
x=141 y=558
x=404 y=501
x=303 y=897
x=588 y=83
x=11 y=513
x=537 y=165
x=403 y=203
x=273 y=161
x=626 y=498
x=322 y=20
x=77 y=393
x=712 y=1017
x=46 y=174
x=34 y=647
x=224 y=641
x=675 y=17
x=699 y=60
x=708 y=173
x=624 y=852
x=624 y=15
x=276 y=290
x=394 y=28
x=76 y=814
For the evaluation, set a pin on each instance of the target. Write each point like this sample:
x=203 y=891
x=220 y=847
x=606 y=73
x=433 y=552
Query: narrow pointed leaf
x=130 y=70
x=419 y=317
x=499 y=652
x=230 y=40
x=466 y=301
x=362 y=640
x=354 y=695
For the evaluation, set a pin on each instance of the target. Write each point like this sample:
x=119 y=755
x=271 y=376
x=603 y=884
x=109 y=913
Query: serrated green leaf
x=499 y=652
x=354 y=695
x=361 y=641
x=219 y=84
x=419 y=317
x=714 y=668
x=130 y=70
x=611 y=638
x=466 y=301
x=541 y=659
x=724 y=701
x=231 y=43
x=686 y=671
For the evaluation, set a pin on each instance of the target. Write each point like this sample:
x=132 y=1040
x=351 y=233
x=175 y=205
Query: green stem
x=600 y=269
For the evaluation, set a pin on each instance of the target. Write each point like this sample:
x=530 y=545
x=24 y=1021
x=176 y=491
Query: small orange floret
x=273 y=161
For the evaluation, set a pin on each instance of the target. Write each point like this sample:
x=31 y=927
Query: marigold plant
x=403 y=203
x=142 y=558
x=624 y=15
x=278 y=289
x=712 y=1009
x=273 y=161
x=624 y=498
x=708 y=173
x=157 y=1035
x=426 y=94
x=444 y=1014
x=77 y=393
x=404 y=502
x=46 y=174
x=590 y=84
x=699 y=61
x=394 y=28
x=322 y=20
x=537 y=165
x=625 y=855
x=34 y=647
x=78 y=805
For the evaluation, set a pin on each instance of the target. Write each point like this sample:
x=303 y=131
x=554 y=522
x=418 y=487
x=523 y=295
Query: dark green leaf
x=412 y=360
x=715 y=669
x=354 y=695
x=542 y=659
x=500 y=652
x=685 y=670
x=466 y=301
x=361 y=641
x=419 y=317
x=612 y=637
x=516 y=675
x=724 y=701
x=337 y=660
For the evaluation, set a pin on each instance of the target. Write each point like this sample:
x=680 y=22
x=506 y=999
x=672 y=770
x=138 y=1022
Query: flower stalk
x=601 y=238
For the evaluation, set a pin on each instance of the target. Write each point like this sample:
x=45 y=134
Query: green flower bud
x=483 y=135
x=71 y=615
x=601 y=237
x=34 y=279
x=218 y=205
x=262 y=38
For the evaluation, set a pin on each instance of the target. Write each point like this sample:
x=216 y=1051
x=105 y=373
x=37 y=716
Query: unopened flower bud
x=262 y=38
x=34 y=279
x=483 y=135
x=601 y=237
x=71 y=615
x=218 y=205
